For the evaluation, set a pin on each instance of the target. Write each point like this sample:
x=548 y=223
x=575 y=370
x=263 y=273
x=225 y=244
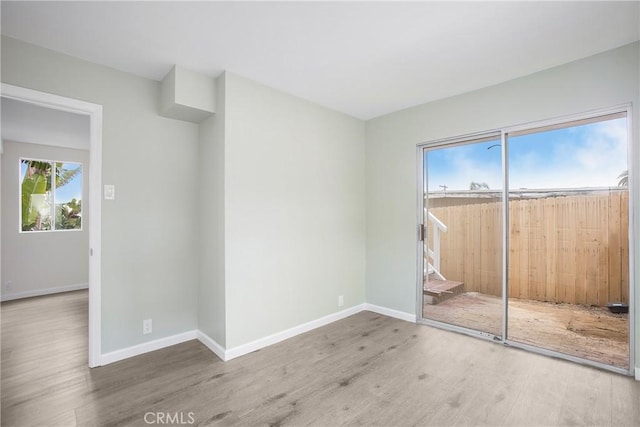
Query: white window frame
x=53 y=197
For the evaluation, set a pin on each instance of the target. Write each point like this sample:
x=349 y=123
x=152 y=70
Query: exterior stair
x=437 y=290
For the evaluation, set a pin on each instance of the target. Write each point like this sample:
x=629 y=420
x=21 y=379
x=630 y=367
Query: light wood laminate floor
x=367 y=369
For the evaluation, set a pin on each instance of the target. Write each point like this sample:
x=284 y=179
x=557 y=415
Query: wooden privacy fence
x=572 y=249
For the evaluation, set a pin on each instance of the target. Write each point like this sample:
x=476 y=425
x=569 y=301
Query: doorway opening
x=94 y=114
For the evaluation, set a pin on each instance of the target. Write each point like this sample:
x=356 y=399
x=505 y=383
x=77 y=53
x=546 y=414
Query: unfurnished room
x=338 y=213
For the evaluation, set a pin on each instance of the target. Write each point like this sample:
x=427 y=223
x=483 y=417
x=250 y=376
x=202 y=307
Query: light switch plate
x=109 y=192
x=147 y=326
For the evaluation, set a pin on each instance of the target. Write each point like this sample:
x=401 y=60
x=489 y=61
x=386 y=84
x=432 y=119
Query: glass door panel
x=568 y=240
x=462 y=277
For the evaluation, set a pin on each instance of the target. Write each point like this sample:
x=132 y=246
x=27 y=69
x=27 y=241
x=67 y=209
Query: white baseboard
x=211 y=344
x=146 y=347
x=41 y=292
x=232 y=353
x=637 y=374
x=289 y=333
x=391 y=312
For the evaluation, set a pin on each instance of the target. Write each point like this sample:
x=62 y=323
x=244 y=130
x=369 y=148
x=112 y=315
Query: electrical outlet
x=147 y=326
x=8 y=285
x=340 y=300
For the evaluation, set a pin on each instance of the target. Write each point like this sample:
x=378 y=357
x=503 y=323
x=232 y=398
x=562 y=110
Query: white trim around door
x=94 y=112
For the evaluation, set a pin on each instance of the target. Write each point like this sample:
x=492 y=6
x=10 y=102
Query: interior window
x=50 y=195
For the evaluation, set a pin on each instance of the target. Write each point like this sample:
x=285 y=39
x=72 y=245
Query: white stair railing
x=433 y=267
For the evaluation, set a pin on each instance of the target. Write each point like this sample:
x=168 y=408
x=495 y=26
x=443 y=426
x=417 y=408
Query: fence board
x=624 y=250
x=579 y=250
x=536 y=252
x=551 y=252
x=513 y=268
x=603 y=252
x=525 y=224
x=614 y=254
x=571 y=249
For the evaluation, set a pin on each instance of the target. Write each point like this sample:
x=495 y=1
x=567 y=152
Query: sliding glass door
x=525 y=238
x=463 y=249
x=569 y=239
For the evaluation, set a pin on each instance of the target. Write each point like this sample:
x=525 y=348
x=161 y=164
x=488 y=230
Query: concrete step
x=436 y=291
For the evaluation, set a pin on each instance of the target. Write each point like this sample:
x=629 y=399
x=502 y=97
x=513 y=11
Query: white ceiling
x=362 y=58
x=26 y=122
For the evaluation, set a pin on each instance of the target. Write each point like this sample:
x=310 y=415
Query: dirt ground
x=589 y=332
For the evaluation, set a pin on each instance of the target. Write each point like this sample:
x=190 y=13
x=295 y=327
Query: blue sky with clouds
x=591 y=155
x=73 y=189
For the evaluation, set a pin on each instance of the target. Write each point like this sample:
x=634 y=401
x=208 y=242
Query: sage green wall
x=149 y=258
x=290 y=177
x=294 y=211
x=604 y=80
x=211 y=167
